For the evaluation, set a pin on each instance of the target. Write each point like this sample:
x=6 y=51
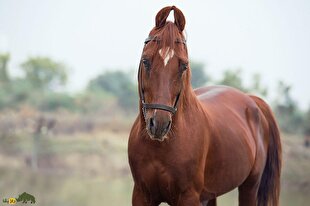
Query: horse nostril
x=152 y=125
x=152 y=122
x=167 y=128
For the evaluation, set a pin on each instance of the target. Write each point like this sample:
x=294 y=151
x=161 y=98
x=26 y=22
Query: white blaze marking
x=167 y=55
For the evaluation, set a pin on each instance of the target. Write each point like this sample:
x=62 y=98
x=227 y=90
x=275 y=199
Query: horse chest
x=162 y=178
x=155 y=173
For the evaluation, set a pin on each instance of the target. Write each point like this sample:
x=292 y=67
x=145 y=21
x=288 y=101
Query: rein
x=145 y=105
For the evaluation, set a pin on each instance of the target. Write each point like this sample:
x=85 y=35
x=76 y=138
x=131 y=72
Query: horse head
x=163 y=73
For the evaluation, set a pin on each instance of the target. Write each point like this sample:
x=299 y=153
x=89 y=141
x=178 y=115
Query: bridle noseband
x=145 y=105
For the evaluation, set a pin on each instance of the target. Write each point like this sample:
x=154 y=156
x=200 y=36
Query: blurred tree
x=44 y=73
x=233 y=78
x=199 y=77
x=4 y=76
x=119 y=84
x=257 y=87
x=53 y=101
x=12 y=91
x=288 y=114
x=92 y=101
x=306 y=126
x=17 y=92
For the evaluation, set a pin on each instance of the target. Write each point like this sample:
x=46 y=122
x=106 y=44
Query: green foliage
x=4 y=76
x=118 y=84
x=94 y=101
x=199 y=77
x=257 y=87
x=15 y=93
x=289 y=116
x=41 y=75
x=12 y=91
x=233 y=78
x=44 y=73
x=112 y=81
x=54 y=101
x=306 y=125
x=21 y=92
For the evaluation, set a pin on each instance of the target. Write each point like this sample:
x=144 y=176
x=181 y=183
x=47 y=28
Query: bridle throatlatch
x=145 y=105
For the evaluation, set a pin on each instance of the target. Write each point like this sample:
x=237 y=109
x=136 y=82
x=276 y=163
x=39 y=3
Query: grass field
x=92 y=169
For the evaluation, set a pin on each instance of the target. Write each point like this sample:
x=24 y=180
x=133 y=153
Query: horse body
x=220 y=159
x=213 y=139
x=236 y=139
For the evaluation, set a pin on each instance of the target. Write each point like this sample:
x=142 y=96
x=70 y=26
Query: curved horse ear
x=162 y=16
x=179 y=18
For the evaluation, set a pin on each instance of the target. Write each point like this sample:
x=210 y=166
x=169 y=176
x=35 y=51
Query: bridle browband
x=155 y=38
x=146 y=106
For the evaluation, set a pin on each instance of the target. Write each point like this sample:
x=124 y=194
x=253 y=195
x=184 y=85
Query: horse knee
x=138 y=198
x=189 y=198
x=212 y=202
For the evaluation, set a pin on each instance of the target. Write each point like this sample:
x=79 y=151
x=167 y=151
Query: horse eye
x=146 y=63
x=184 y=66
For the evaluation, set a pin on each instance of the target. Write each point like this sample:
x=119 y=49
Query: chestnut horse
x=187 y=146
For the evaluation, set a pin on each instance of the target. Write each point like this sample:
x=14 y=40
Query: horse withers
x=187 y=147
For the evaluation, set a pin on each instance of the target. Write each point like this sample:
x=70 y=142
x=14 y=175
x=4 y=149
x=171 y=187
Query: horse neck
x=189 y=105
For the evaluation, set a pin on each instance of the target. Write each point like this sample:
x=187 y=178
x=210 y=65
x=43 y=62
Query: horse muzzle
x=158 y=128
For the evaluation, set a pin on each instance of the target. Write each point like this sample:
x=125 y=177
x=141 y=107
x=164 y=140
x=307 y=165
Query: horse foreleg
x=189 y=198
x=139 y=198
x=204 y=203
x=212 y=202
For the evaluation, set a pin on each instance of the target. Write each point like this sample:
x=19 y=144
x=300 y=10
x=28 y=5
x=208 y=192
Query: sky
x=270 y=37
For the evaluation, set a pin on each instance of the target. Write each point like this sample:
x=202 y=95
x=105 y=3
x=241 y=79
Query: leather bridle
x=145 y=105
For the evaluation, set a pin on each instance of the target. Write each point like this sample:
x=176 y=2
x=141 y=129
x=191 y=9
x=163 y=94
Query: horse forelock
x=169 y=37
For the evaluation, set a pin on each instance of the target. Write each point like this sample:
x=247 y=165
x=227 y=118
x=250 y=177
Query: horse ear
x=162 y=16
x=179 y=18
